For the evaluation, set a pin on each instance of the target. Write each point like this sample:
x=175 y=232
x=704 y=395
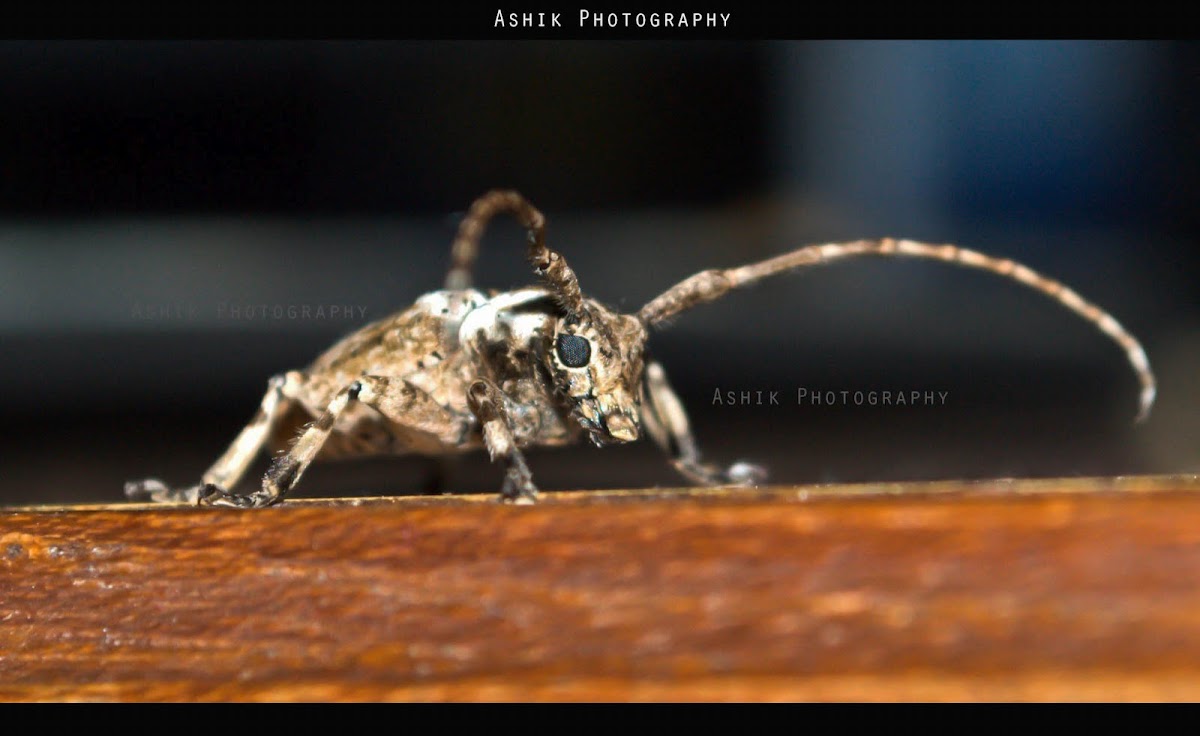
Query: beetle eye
x=573 y=350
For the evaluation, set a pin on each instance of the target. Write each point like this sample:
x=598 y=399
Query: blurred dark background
x=151 y=193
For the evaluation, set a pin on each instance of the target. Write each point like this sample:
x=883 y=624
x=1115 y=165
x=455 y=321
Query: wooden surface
x=1034 y=590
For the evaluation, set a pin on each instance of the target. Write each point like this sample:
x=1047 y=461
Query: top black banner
x=586 y=19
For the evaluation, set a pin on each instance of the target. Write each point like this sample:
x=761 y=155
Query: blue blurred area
x=1058 y=132
x=976 y=132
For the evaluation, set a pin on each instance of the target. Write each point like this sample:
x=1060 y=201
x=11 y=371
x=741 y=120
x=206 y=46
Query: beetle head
x=595 y=358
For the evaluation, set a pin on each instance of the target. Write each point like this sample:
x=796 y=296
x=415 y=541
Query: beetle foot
x=518 y=487
x=153 y=489
x=746 y=474
x=214 y=495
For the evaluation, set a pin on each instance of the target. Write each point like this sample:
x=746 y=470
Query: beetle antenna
x=547 y=264
x=709 y=285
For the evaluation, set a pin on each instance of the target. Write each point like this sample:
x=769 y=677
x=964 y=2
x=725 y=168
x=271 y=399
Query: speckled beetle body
x=464 y=370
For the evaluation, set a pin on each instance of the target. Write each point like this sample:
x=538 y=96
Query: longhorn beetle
x=461 y=370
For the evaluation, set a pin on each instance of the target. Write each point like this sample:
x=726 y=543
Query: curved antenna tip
x=1145 y=403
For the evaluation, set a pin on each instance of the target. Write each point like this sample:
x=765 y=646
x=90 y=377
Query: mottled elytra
x=461 y=370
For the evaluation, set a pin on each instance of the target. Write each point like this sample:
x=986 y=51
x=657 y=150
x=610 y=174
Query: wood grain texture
x=1078 y=589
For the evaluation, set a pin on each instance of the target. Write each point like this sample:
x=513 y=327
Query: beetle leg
x=667 y=424
x=232 y=465
x=490 y=406
x=404 y=404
